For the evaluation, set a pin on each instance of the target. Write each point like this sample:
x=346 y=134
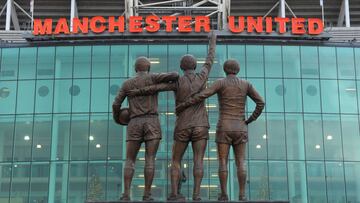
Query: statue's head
x=142 y=64
x=188 y=62
x=231 y=66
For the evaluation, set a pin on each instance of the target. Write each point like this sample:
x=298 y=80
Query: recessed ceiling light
x=39 y=146
x=264 y=136
x=98 y=145
x=317 y=146
x=258 y=146
x=91 y=138
x=26 y=137
x=329 y=137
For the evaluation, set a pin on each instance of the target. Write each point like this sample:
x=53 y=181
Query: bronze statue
x=192 y=123
x=144 y=125
x=232 y=125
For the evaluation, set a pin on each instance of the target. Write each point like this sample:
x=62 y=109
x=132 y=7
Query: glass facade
x=58 y=142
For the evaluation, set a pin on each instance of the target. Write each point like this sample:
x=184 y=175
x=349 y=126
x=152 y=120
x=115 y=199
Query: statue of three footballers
x=191 y=120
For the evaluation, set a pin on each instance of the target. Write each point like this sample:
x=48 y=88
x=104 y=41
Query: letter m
x=42 y=28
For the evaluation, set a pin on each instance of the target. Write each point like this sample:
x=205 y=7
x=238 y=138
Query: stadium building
x=58 y=142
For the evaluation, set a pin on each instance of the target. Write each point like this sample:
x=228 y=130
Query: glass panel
x=258 y=84
x=291 y=61
x=44 y=96
x=220 y=58
x=42 y=137
x=136 y=51
x=25 y=97
x=9 y=64
x=27 y=63
x=357 y=62
x=274 y=95
x=200 y=53
x=114 y=180
x=275 y=136
x=327 y=60
x=346 y=66
x=329 y=96
x=23 y=138
x=46 y=62
x=313 y=137
x=96 y=182
x=259 y=185
x=254 y=61
x=79 y=136
x=80 y=91
x=62 y=96
x=295 y=136
x=257 y=144
x=98 y=136
x=332 y=137
x=238 y=52
x=82 y=61
x=20 y=182
x=348 y=97
x=175 y=52
x=309 y=62
x=7 y=97
x=352 y=181
x=119 y=61
x=64 y=62
x=5 y=182
x=6 y=138
x=78 y=182
x=273 y=61
x=297 y=181
x=292 y=95
x=316 y=182
x=311 y=96
x=39 y=182
x=58 y=186
x=99 y=95
x=60 y=136
x=351 y=137
x=278 y=180
x=100 y=61
x=335 y=182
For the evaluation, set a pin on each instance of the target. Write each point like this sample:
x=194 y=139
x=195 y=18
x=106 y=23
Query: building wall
x=58 y=142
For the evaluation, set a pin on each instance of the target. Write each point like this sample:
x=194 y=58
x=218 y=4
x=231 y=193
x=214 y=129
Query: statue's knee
x=129 y=164
x=223 y=168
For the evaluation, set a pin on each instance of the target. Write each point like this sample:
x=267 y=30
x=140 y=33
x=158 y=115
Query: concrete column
x=347 y=13
x=8 y=15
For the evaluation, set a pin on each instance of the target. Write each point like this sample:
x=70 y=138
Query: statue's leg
x=199 y=148
x=223 y=154
x=239 y=152
x=178 y=151
x=151 y=148
x=132 y=149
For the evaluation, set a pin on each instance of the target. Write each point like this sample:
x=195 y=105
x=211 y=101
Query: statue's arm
x=152 y=89
x=119 y=99
x=210 y=57
x=259 y=101
x=165 y=77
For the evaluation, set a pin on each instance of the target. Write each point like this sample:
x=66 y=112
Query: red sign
x=185 y=24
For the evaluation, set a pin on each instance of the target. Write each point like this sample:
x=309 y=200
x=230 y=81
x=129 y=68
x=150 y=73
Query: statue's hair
x=231 y=66
x=142 y=64
x=188 y=62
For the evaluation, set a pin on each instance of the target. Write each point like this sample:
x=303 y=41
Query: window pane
x=292 y=95
x=99 y=95
x=259 y=185
x=357 y=62
x=23 y=138
x=238 y=52
x=62 y=96
x=96 y=182
x=42 y=138
x=158 y=58
x=274 y=95
x=335 y=182
x=114 y=180
x=80 y=91
x=275 y=136
x=60 y=136
x=352 y=181
x=351 y=137
x=46 y=62
x=254 y=61
x=79 y=136
x=332 y=137
x=119 y=61
x=136 y=51
x=291 y=57
x=6 y=138
x=77 y=182
x=311 y=96
x=98 y=136
x=220 y=58
x=327 y=60
x=297 y=181
x=175 y=52
x=295 y=136
x=316 y=182
x=7 y=97
x=116 y=141
x=9 y=64
x=44 y=96
x=345 y=58
x=257 y=145
x=25 y=96
x=27 y=63
x=100 y=61
x=5 y=181
x=309 y=62
x=329 y=96
x=313 y=137
x=20 y=188
x=82 y=61
x=258 y=84
x=64 y=62
x=39 y=189
x=348 y=97
x=278 y=180
x=273 y=61
x=58 y=186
